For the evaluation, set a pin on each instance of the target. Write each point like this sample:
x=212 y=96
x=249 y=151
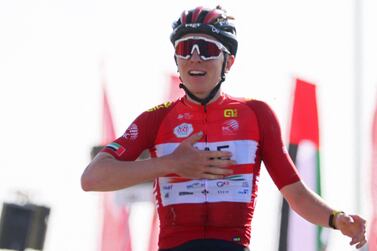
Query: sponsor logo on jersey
x=116 y=148
x=183 y=130
x=185 y=193
x=235 y=178
x=205 y=192
x=185 y=115
x=132 y=132
x=222 y=183
x=167 y=187
x=244 y=191
x=231 y=189
x=158 y=107
x=223 y=191
x=230 y=127
x=237 y=238
x=245 y=184
x=195 y=185
x=230 y=113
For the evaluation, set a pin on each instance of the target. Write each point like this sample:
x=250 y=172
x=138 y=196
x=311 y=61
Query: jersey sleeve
x=138 y=137
x=273 y=152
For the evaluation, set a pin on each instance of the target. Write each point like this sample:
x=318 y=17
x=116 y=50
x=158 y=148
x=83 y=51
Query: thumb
x=194 y=138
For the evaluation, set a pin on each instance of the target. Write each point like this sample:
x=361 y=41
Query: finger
x=221 y=163
x=358 y=218
x=362 y=243
x=358 y=238
x=211 y=176
x=193 y=138
x=217 y=154
x=218 y=171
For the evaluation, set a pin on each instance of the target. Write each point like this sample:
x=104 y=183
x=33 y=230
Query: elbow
x=85 y=184
x=294 y=194
x=87 y=181
x=93 y=175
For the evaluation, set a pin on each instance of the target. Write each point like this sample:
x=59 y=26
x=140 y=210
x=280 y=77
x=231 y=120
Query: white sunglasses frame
x=217 y=43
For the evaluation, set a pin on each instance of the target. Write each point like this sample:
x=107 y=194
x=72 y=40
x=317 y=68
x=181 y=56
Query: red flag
x=373 y=226
x=304 y=125
x=155 y=230
x=304 y=151
x=115 y=227
x=108 y=130
x=174 y=91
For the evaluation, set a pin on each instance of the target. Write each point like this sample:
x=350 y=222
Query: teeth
x=197 y=73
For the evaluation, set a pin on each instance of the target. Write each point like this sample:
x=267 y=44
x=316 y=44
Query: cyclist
x=207 y=149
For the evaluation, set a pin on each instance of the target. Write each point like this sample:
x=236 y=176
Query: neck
x=205 y=100
x=218 y=94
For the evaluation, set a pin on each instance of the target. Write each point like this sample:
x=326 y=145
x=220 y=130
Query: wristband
x=332 y=217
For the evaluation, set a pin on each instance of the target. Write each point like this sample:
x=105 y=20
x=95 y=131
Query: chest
x=220 y=124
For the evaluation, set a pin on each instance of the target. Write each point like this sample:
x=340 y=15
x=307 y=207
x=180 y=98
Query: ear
x=229 y=62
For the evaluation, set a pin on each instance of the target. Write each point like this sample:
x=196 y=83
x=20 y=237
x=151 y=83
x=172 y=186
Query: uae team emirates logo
x=183 y=130
x=132 y=132
x=230 y=127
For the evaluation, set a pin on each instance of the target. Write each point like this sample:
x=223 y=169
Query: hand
x=352 y=226
x=199 y=164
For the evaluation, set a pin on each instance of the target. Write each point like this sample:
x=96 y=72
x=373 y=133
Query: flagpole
x=358 y=90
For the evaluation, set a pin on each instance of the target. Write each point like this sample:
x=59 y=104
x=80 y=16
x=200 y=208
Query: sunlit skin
x=201 y=86
x=105 y=173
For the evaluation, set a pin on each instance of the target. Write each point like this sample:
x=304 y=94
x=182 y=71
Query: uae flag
x=296 y=234
x=373 y=226
x=115 y=234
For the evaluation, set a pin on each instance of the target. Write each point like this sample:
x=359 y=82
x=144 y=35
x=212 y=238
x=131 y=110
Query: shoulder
x=163 y=106
x=159 y=111
x=262 y=110
x=254 y=104
x=160 y=108
x=244 y=100
x=257 y=104
x=259 y=107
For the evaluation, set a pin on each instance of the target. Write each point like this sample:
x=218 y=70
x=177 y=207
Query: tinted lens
x=184 y=48
x=207 y=49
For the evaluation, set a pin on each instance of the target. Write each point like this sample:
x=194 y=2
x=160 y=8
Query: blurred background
x=55 y=56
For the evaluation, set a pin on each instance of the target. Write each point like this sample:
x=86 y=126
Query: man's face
x=201 y=76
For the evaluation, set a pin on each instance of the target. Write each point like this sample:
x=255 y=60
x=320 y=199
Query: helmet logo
x=195 y=25
x=215 y=30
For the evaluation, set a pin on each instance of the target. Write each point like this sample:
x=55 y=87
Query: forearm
x=105 y=173
x=307 y=204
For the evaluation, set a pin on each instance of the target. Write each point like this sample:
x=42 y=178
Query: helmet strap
x=213 y=92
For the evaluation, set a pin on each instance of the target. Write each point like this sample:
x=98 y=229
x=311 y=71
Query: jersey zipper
x=205 y=191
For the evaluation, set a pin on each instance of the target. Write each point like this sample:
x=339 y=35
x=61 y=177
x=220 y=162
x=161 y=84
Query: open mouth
x=196 y=73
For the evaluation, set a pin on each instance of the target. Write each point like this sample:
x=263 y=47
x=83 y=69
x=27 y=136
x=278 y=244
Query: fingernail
x=200 y=133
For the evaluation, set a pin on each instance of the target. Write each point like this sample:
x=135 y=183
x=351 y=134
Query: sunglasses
x=206 y=48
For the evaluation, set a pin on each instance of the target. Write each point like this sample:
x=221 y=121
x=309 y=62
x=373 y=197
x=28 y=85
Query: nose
x=195 y=56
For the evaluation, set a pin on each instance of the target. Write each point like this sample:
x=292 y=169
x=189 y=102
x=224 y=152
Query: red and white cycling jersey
x=211 y=209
